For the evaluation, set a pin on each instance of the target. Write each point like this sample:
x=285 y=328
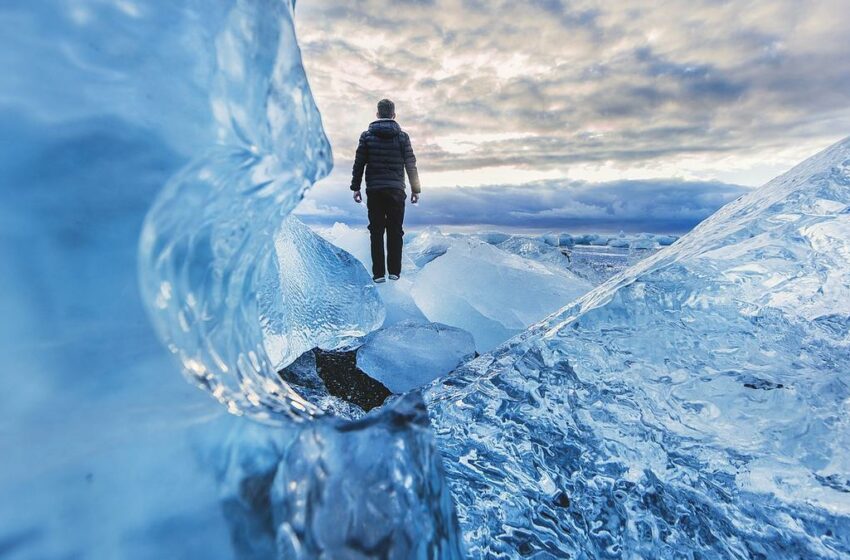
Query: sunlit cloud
x=517 y=92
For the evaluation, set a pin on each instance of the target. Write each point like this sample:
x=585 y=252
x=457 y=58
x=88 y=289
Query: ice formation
x=408 y=355
x=234 y=307
x=396 y=296
x=592 y=257
x=207 y=243
x=335 y=489
x=458 y=280
x=100 y=450
x=491 y=293
x=539 y=250
x=694 y=405
x=318 y=296
x=428 y=245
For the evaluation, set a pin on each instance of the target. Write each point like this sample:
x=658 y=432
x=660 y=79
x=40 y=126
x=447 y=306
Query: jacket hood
x=384 y=128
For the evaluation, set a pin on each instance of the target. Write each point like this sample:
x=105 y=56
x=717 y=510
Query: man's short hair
x=386 y=109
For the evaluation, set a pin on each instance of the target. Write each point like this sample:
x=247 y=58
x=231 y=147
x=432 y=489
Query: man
x=385 y=153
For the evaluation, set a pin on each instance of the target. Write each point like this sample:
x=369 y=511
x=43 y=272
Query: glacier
x=693 y=405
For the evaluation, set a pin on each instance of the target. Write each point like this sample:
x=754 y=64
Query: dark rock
x=562 y=500
x=346 y=381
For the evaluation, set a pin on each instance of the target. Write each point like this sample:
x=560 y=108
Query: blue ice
x=694 y=405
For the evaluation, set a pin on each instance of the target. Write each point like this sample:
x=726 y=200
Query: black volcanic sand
x=343 y=379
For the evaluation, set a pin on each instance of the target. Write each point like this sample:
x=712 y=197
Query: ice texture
x=106 y=102
x=408 y=355
x=396 y=296
x=373 y=488
x=491 y=293
x=207 y=244
x=102 y=102
x=694 y=405
x=427 y=245
x=319 y=296
x=458 y=280
x=538 y=249
x=592 y=257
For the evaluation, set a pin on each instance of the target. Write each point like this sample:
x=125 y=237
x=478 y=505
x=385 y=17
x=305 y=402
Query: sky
x=578 y=115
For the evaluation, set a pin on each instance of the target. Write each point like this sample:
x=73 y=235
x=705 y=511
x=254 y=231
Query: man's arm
x=360 y=159
x=410 y=165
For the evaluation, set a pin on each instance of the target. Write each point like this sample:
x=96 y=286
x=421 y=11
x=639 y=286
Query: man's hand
x=414 y=198
x=358 y=198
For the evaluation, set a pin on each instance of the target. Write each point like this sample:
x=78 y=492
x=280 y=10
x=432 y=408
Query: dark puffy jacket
x=385 y=152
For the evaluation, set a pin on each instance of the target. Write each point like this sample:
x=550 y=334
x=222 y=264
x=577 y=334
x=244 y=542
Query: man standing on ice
x=385 y=152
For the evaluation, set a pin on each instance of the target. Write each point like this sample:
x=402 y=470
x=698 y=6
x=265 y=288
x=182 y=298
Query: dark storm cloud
x=657 y=206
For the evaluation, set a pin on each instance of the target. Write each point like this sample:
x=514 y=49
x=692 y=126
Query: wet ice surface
x=693 y=405
x=107 y=452
x=462 y=281
x=408 y=355
x=317 y=296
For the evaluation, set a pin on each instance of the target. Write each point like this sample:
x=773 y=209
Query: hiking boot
x=393 y=276
x=380 y=279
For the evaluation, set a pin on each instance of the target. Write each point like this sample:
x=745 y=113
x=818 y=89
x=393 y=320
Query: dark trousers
x=386 y=213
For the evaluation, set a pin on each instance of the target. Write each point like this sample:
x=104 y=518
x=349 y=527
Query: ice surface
x=492 y=237
x=101 y=437
x=489 y=292
x=355 y=241
x=488 y=303
x=539 y=250
x=319 y=296
x=101 y=105
x=333 y=489
x=592 y=257
x=694 y=405
x=409 y=354
x=207 y=248
x=592 y=264
x=396 y=296
x=430 y=244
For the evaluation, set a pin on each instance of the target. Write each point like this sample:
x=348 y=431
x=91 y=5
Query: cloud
x=586 y=101
x=707 y=89
x=654 y=206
